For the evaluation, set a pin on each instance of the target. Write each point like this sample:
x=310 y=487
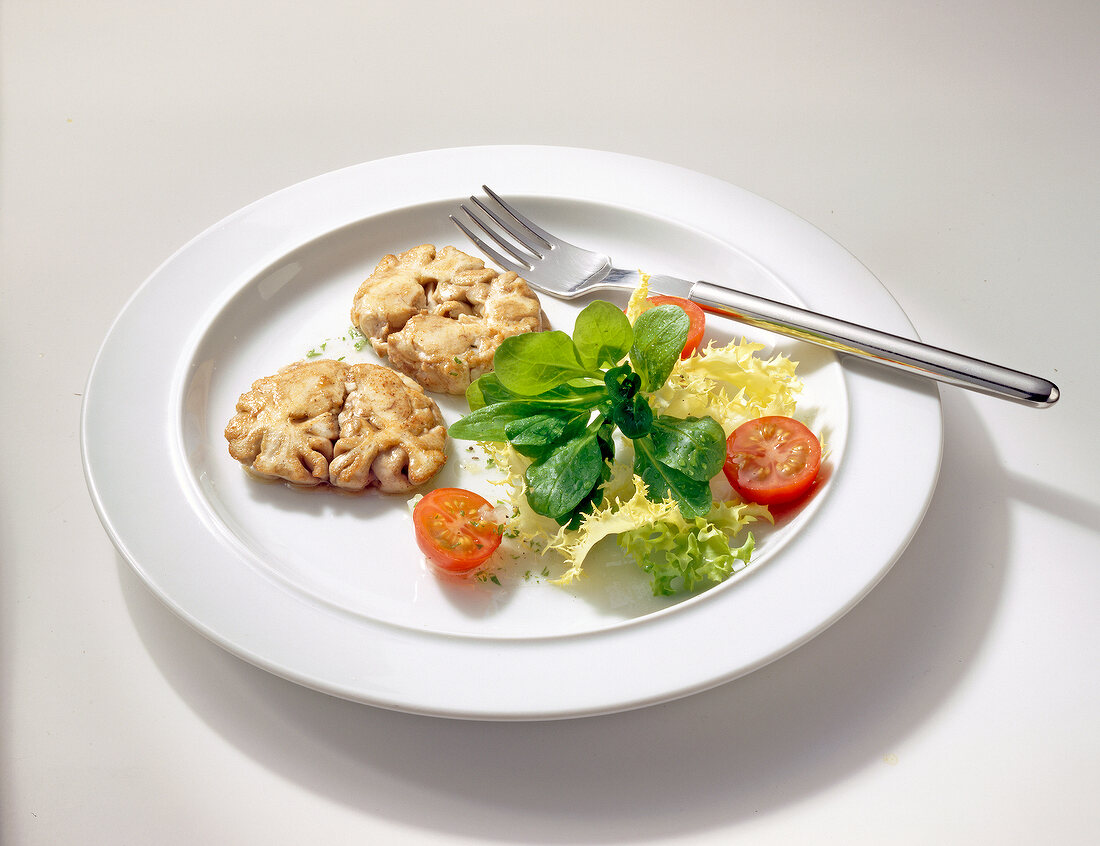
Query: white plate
x=329 y=590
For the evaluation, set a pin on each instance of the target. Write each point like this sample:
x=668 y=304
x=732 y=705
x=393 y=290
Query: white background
x=951 y=147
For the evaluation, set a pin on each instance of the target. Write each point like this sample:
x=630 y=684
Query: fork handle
x=891 y=350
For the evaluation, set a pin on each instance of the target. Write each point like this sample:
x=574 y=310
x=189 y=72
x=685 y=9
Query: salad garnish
x=610 y=433
x=559 y=401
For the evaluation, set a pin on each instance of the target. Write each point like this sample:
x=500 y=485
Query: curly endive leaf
x=683 y=556
x=730 y=384
x=609 y=519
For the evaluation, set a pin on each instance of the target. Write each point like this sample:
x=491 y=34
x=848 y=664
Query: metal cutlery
x=567 y=271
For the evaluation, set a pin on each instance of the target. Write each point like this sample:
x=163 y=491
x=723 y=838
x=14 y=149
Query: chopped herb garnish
x=359 y=338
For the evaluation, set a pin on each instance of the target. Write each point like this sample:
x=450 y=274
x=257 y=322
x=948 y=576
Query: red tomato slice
x=453 y=531
x=695 y=328
x=772 y=460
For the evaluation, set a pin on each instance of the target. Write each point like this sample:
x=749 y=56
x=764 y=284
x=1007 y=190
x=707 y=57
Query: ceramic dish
x=330 y=591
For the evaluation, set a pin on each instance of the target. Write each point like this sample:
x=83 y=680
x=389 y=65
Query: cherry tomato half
x=696 y=327
x=452 y=530
x=772 y=460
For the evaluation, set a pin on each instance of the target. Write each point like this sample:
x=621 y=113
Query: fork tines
x=527 y=242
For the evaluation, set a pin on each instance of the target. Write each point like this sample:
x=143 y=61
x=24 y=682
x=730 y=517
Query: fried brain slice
x=391 y=433
x=286 y=424
x=439 y=317
x=352 y=426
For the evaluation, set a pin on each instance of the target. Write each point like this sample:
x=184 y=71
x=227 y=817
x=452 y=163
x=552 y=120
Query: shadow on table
x=840 y=704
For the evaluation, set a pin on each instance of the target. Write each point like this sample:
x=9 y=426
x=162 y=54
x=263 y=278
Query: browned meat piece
x=440 y=317
x=355 y=427
x=391 y=433
x=285 y=425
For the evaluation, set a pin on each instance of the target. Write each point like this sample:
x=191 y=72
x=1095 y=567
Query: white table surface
x=951 y=147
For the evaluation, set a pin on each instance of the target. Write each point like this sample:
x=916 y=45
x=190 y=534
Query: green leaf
x=489 y=423
x=534 y=434
x=659 y=337
x=681 y=559
x=694 y=445
x=692 y=495
x=586 y=396
x=622 y=384
x=628 y=409
x=602 y=334
x=534 y=362
x=559 y=482
x=486 y=390
x=605 y=432
x=634 y=418
x=539 y=429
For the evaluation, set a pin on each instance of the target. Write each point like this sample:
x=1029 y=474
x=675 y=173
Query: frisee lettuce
x=729 y=383
x=609 y=518
x=683 y=555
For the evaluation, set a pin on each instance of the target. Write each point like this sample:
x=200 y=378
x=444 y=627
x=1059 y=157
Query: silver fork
x=564 y=270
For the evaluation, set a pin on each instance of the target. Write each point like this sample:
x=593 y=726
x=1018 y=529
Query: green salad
x=611 y=433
